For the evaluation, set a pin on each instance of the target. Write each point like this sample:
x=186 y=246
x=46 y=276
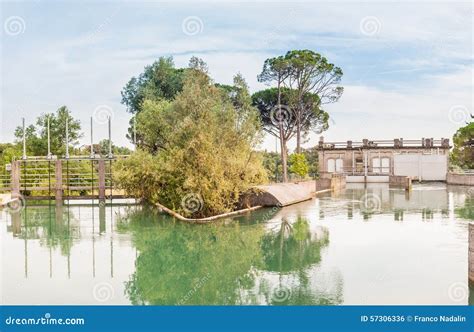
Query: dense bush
x=200 y=149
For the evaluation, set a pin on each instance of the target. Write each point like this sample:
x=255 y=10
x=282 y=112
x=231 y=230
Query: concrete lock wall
x=423 y=167
x=460 y=179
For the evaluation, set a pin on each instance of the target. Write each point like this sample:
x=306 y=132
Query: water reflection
x=56 y=227
x=223 y=263
x=425 y=200
x=332 y=250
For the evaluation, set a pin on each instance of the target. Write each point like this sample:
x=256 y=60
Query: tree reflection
x=180 y=263
x=467 y=211
x=223 y=263
x=291 y=251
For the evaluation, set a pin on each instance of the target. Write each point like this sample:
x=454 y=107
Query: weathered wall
x=400 y=181
x=460 y=178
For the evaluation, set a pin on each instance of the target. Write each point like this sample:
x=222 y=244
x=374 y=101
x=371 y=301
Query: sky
x=407 y=65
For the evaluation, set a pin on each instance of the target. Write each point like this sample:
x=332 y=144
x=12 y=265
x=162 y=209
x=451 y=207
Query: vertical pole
x=111 y=182
x=101 y=181
x=110 y=137
x=59 y=182
x=67 y=138
x=24 y=139
x=49 y=139
x=92 y=140
x=49 y=181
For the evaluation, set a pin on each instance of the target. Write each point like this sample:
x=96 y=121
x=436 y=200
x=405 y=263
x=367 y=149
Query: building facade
x=424 y=160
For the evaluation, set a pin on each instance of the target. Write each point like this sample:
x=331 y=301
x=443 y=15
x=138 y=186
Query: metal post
x=59 y=182
x=67 y=138
x=92 y=141
x=49 y=139
x=24 y=139
x=101 y=181
x=110 y=156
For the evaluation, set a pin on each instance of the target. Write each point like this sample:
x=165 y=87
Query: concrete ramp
x=279 y=194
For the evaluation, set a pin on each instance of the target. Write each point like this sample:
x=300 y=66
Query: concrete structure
x=375 y=161
x=283 y=194
x=464 y=179
x=400 y=181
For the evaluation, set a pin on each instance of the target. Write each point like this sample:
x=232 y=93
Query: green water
x=370 y=245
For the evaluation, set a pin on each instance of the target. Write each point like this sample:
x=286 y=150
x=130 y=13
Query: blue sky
x=407 y=65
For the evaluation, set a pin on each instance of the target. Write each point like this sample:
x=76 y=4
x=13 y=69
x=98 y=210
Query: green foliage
x=139 y=174
x=313 y=117
x=311 y=156
x=298 y=164
x=182 y=264
x=310 y=81
x=116 y=150
x=462 y=154
x=179 y=263
x=37 y=136
x=272 y=164
x=200 y=144
x=161 y=80
x=9 y=152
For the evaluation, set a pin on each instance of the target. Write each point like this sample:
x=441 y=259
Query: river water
x=363 y=245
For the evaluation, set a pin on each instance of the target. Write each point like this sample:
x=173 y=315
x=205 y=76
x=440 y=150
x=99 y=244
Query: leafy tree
x=311 y=156
x=116 y=150
x=37 y=136
x=463 y=151
x=278 y=70
x=202 y=146
x=272 y=163
x=266 y=102
x=161 y=80
x=298 y=164
x=9 y=152
x=310 y=72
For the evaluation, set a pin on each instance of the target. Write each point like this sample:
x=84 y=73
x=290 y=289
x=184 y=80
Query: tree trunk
x=298 y=139
x=298 y=130
x=284 y=162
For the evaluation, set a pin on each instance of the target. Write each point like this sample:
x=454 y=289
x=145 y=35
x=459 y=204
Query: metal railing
x=399 y=143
